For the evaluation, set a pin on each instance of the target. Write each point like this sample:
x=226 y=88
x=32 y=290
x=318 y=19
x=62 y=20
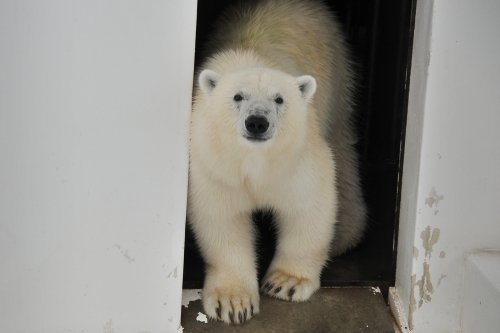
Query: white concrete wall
x=481 y=300
x=94 y=106
x=451 y=187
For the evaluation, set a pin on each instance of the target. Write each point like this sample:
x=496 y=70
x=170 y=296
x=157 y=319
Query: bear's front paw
x=289 y=287
x=231 y=305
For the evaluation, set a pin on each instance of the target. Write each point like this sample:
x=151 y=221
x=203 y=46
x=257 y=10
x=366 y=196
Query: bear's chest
x=258 y=174
x=254 y=169
x=262 y=178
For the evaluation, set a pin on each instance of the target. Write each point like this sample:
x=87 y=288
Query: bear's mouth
x=252 y=138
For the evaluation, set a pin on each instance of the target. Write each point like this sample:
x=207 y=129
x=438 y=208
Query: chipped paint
x=429 y=239
x=422 y=290
x=399 y=314
x=413 y=301
x=415 y=252
x=202 y=318
x=425 y=287
x=173 y=273
x=433 y=200
x=189 y=295
x=180 y=329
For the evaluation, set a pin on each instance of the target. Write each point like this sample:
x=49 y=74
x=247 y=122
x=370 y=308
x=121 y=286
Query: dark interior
x=380 y=35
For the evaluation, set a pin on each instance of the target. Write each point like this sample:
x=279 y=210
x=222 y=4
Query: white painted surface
x=202 y=318
x=94 y=106
x=451 y=181
x=398 y=310
x=413 y=144
x=481 y=304
x=190 y=295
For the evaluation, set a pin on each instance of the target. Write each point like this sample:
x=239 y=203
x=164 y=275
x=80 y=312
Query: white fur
x=292 y=171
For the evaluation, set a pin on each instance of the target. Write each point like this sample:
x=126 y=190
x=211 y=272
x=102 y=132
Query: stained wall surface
x=451 y=184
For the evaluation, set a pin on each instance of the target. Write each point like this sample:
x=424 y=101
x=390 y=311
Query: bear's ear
x=307 y=86
x=208 y=80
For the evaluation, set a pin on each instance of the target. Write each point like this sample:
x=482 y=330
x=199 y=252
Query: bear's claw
x=230 y=306
x=289 y=287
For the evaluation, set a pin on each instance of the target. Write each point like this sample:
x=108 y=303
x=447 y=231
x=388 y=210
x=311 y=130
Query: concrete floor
x=339 y=310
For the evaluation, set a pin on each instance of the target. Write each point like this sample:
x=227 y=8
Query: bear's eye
x=238 y=98
x=278 y=100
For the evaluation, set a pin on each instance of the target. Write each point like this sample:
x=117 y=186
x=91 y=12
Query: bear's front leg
x=304 y=237
x=226 y=240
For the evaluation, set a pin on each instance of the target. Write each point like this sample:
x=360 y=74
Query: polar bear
x=271 y=128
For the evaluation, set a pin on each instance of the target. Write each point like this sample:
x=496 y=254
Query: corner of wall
x=411 y=168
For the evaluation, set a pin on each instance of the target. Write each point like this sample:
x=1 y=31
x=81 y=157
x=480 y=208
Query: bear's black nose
x=256 y=124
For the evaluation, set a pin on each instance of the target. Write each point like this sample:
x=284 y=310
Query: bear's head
x=258 y=107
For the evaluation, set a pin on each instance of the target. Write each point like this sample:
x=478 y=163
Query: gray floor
x=330 y=310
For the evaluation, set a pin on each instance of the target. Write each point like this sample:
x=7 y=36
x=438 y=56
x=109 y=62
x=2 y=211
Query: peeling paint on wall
x=422 y=289
x=415 y=252
x=413 y=302
x=433 y=200
x=425 y=287
x=429 y=239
